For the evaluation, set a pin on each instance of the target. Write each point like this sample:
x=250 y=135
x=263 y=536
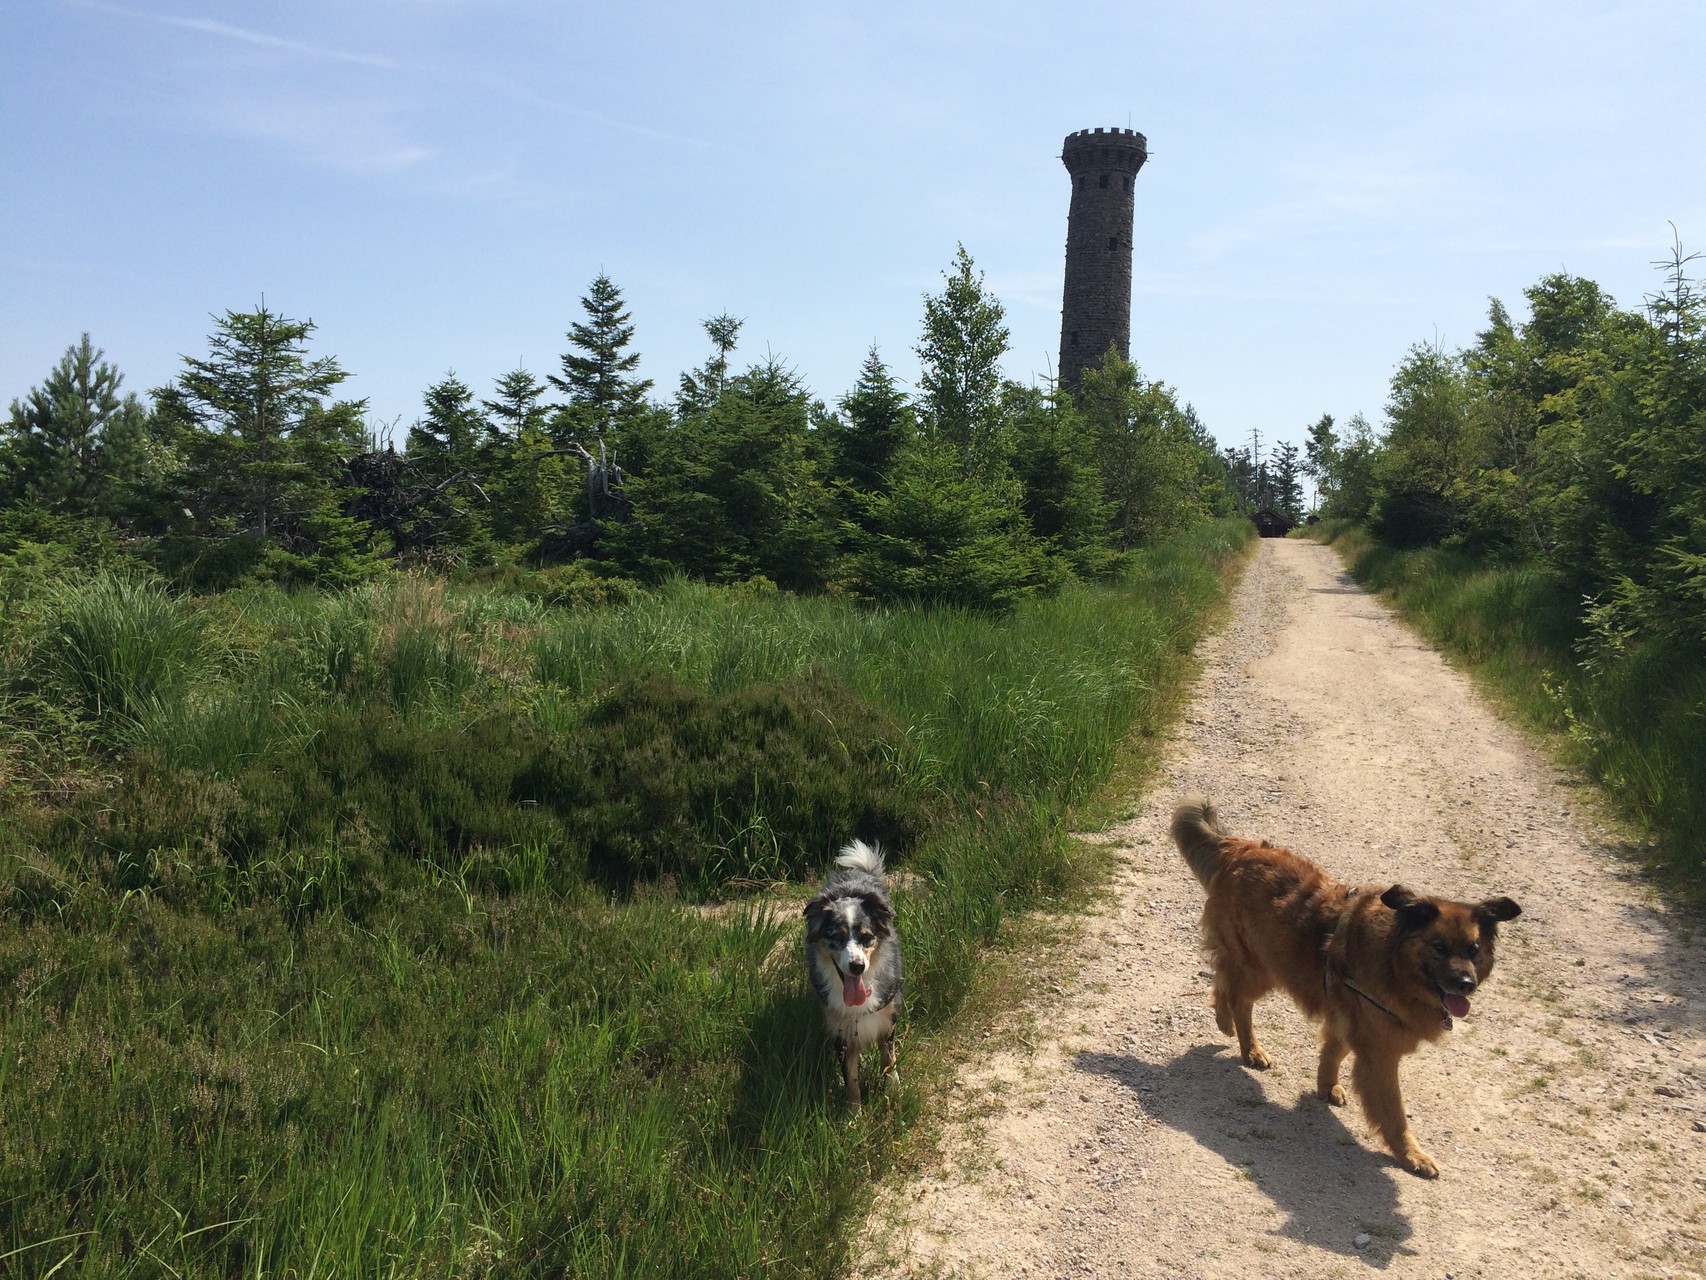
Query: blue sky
x=435 y=182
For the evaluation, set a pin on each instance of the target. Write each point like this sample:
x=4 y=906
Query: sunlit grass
x=304 y=982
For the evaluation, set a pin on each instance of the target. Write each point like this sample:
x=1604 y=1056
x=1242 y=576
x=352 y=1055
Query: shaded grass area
x=355 y=934
x=1633 y=719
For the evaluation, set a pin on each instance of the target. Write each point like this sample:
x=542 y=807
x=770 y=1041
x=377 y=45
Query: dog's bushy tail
x=1196 y=830
x=856 y=855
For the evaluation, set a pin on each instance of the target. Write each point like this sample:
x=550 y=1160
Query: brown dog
x=1382 y=970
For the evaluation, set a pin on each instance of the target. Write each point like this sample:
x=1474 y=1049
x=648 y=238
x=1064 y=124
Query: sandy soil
x=1112 y=1131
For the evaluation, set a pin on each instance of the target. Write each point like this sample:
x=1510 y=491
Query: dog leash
x=1326 y=979
x=1336 y=950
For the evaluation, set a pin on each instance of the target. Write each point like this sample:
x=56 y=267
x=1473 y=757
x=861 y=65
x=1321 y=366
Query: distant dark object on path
x=1271 y=523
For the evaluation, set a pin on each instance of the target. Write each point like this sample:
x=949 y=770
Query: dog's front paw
x=1419 y=1162
x=1258 y=1059
x=1334 y=1096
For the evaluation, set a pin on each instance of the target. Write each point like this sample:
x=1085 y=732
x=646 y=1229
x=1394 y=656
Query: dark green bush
x=658 y=781
x=760 y=784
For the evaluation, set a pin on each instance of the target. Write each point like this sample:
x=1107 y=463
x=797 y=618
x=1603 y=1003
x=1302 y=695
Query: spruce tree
x=1054 y=459
x=72 y=442
x=597 y=375
x=532 y=484
x=960 y=351
x=1147 y=452
x=879 y=422
x=264 y=477
x=700 y=387
x=940 y=535
x=732 y=492
x=450 y=455
x=253 y=390
x=1287 y=483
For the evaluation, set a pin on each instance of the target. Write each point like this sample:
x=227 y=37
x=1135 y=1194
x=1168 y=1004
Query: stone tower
x=1095 y=311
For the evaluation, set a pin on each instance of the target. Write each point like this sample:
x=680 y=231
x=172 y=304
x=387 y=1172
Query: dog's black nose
x=1461 y=983
x=857 y=967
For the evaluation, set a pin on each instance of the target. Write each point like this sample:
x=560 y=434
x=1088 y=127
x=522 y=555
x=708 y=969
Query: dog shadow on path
x=1331 y=1186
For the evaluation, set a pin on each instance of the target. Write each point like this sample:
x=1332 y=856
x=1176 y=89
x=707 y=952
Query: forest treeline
x=1539 y=498
x=972 y=489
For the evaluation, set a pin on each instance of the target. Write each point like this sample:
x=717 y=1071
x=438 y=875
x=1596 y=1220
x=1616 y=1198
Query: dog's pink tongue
x=1456 y=1006
x=853 y=990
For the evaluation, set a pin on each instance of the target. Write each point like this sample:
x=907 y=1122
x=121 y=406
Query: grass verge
x=321 y=969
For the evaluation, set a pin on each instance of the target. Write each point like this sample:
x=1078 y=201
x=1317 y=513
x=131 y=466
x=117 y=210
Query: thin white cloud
x=244 y=35
x=355 y=137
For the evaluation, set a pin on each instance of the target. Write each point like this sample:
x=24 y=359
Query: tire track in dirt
x=1568 y=1112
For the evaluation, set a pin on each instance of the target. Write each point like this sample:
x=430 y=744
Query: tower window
x=1075 y=337
x=1126 y=183
x=1113 y=242
x=1105 y=181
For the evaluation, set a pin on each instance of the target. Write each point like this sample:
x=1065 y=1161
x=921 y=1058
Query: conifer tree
x=597 y=375
x=1286 y=483
x=74 y=440
x=252 y=391
x=960 y=351
x=532 y=484
x=1146 y=450
x=264 y=477
x=879 y=422
x=732 y=492
x=450 y=455
x=940 y=535
x=1054 y=459
x=700 y=387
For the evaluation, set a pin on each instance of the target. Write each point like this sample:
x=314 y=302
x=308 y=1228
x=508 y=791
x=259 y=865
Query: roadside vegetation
x=1537 y=504
x=364 y=940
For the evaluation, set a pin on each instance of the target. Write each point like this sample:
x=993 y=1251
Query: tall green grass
x=306 y=981
x=1635 y=720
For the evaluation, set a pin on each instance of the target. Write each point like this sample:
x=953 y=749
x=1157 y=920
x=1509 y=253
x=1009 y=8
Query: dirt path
x=1568 y=1112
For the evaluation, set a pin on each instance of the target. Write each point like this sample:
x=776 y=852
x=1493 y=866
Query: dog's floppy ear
x=1413 y=912
x=1495 y=909
x=816 y=909
x=881 y=913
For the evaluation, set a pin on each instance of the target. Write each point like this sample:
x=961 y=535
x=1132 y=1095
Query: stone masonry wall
x=1095 y=310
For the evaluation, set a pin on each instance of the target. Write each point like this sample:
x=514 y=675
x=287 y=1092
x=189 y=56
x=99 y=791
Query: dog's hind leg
x=1333 y=1051
x=1222 y=1010
x=850 y=1070
x=1252 y=1052
x=1376 y=1079
x=1235 y=1008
